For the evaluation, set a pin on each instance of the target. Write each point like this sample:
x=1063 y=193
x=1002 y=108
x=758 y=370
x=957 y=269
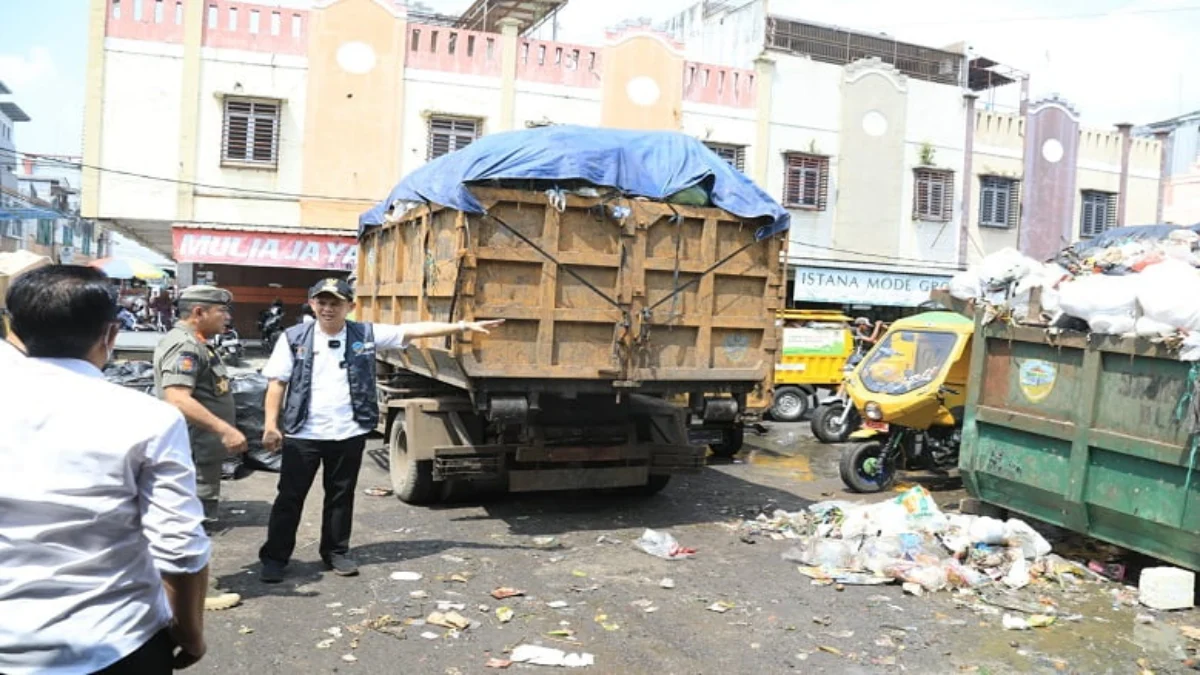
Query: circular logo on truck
x=1036 y=379
x=736 y=345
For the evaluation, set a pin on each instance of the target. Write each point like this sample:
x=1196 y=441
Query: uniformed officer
x=189 y=375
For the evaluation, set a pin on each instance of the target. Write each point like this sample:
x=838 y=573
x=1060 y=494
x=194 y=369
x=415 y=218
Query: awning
x=28 y=213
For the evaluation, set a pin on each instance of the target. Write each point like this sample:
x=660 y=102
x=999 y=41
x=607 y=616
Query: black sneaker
x=272 y=572
x=342 y=566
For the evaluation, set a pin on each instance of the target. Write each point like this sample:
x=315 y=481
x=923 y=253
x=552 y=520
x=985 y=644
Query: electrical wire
x=134 y=174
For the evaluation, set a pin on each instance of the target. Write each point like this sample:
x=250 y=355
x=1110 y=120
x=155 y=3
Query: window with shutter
x=251 y=133
x=806 y=181
x=1098 y=213
x=999 y=201
x=734 y=154
x=447 y=134
x=933 y=194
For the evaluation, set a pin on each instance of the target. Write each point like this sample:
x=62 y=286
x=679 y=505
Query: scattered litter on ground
x=546 y=656
x=830 y=650
x=429 y=635
x=454 y=559
x=1143 y=619
x=602 y=619
x=505 y=614
x=579 y=573
x=356 y=611
x=349 y=658
x=245 y=630
x=505 y=592
x=605 y=539
x=377 y=492
x=912 y=588
x=663 y=545
x=418 y=595
x=557 y=604
x=586 y=589
x=448 y=620
x=1011 y=622
x=446 y=606
x=461 y=578
x=1190 y=632
x=564 y=633
x=333 y=605
x=406 y=576
x=667 y=583
x=335 y=631
x=326 y=643
x=546 y=542
x=386 y=624
x=720 y=607
x=497 y=663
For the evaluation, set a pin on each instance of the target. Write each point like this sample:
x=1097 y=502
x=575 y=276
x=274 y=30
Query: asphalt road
x=776 y=620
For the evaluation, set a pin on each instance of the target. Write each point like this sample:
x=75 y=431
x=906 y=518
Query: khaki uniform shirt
x=183 y=359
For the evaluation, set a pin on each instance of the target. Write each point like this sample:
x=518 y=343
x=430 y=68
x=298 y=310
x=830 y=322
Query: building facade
x=1181 y=166
x=244 y=139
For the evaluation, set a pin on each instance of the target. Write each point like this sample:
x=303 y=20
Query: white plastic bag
x=663 y=545
x=1004 y=267
x=1018 y=533
x=1110 y=301
x=1169 y=293
x=965 y=285
x=986 y=530
x=1147 y=327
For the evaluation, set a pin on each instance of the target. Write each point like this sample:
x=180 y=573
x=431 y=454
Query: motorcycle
x=229 y=345
x=836 y=417
x=270 y=324
x=911 y=389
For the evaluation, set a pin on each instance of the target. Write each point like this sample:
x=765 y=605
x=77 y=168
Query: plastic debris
x=913 y=588
x=446 y=606
x=505 y=614
x=245 y=630
x=448 y=620
x=506 y=592
x=406 y=576
x=377 y=492
x=720 y=607
x=663 y=545
x=497 y=663
x=667 y=582
x=557 y=604
x=1144 y=619
x=1011 y=622
x=326 y=643
x=546 y=656
x=418 y=595
x=430 y=635
x=349 y=658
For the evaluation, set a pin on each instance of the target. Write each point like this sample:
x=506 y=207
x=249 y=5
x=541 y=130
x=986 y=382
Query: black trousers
x=156 y=657
x=301 y=459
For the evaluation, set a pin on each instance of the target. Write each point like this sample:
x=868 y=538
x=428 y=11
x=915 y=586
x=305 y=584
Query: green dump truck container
x=1083 y=434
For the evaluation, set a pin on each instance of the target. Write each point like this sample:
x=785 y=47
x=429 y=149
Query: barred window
x=447 y=134
x=251 y=133
x=933 y=194
x=734 y=154
x=806 y=181
x=1099 y=213
x=999 y=201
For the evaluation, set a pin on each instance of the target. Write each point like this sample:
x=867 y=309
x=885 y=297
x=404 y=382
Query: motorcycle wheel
x=825 y=424
x=864 y=469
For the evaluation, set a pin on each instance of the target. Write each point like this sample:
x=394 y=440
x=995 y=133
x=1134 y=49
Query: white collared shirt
x=330 y=415
x=97 y=502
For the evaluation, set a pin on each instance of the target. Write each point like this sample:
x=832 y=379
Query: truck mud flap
x=581 y=478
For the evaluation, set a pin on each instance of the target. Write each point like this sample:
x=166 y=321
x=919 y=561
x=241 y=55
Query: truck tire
x=731 y=443
x=861 y=470
x=654 y=485
x=412 y=480
x=789 y=404
x=825 y=423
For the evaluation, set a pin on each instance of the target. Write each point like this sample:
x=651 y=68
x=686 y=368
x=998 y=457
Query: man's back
x=96 y=488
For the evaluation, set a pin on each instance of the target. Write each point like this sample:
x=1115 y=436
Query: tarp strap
x=696 y=280
x=561 y=266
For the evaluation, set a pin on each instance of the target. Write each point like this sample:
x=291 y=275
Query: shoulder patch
x=187 y=363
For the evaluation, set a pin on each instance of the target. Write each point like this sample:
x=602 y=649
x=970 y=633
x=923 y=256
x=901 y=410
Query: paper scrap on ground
x=546 y=656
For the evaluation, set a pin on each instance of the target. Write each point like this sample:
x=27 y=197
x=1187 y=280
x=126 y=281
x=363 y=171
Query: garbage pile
x=137 y=375
x=1143 y=283
x=909 y=540
x=249 y=397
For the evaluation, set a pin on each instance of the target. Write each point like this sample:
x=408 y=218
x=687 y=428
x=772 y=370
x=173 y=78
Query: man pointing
x=322 y=378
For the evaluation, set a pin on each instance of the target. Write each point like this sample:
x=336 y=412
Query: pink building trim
x=558 y=63
x=256 y=28
x=718 y=85
x=152 y=20
x=452 y=50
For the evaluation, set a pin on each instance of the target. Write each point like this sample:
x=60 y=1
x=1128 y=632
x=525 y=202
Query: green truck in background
x=1093 y=434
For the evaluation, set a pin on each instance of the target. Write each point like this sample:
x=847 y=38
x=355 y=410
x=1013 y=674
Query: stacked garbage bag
x=1132 y=282
x=137 y=375
x=909 y=540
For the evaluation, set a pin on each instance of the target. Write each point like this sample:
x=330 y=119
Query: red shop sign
x=264 y=249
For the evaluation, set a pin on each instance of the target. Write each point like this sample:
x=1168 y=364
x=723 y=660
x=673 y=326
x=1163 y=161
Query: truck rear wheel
x=789 y=404
x=412 y=479
x=731 y=443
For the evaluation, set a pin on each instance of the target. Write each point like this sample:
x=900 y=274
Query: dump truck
x=1093 y=433
x=630 y=268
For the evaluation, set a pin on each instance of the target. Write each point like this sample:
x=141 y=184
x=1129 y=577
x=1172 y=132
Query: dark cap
x=206 y=294
x=335 y=287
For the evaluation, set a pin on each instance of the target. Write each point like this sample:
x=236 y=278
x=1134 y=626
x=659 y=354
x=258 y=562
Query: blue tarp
x=652 y=164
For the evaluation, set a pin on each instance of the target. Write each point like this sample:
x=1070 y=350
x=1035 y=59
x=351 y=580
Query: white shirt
x=330 y=415
x=97 y=501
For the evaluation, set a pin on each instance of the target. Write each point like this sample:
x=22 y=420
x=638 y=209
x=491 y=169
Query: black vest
x=360 y=369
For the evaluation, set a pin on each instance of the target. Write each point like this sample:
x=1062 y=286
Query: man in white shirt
x=104 y=556
x=322 y=377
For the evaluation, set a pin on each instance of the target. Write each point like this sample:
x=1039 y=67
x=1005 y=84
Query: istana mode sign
x=864 y=287
x=264 y=249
